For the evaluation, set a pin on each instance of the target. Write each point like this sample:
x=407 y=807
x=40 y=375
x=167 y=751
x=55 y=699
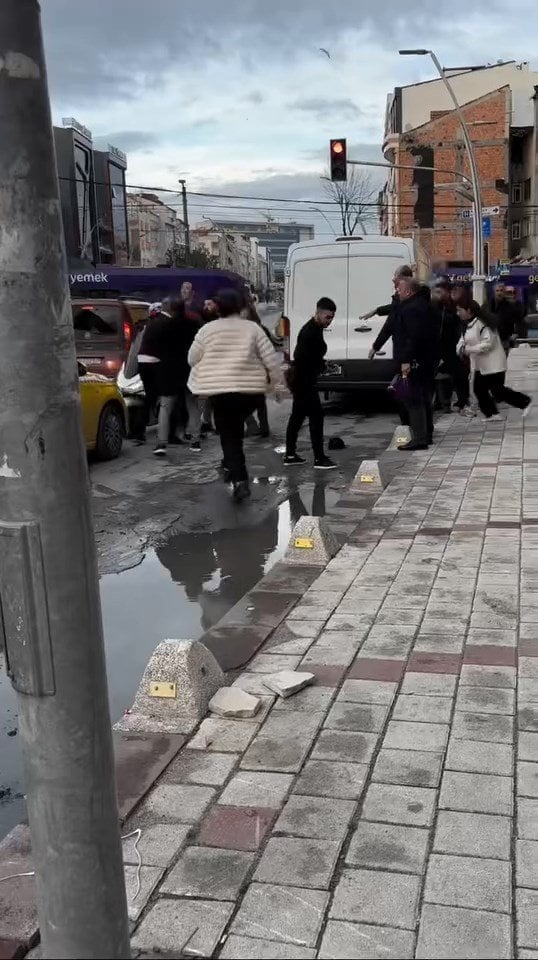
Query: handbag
x=403 y=389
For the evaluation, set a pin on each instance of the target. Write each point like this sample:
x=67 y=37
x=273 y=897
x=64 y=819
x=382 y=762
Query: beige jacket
x=232 y=355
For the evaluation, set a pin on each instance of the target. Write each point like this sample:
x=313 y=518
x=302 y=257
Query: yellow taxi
x=103 y=414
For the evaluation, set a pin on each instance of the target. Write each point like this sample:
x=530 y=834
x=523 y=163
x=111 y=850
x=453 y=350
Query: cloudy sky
x=236 y=95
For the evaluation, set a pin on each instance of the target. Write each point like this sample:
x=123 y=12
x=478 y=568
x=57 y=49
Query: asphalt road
x=175 y=553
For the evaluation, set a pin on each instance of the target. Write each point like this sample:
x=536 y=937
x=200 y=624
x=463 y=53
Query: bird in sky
x=326 y=52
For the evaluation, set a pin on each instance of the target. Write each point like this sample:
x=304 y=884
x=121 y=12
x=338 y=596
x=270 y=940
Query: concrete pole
x=48 y=574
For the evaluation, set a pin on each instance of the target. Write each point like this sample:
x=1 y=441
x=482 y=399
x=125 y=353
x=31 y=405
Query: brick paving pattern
x=390 y=810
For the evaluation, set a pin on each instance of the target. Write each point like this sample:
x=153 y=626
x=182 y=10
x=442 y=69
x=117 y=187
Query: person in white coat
x=482 y=344
x=233 y=362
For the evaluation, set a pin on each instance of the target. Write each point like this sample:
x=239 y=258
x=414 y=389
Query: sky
x=237 y=97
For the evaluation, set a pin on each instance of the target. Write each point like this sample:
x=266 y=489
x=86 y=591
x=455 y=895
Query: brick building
x=421 y=129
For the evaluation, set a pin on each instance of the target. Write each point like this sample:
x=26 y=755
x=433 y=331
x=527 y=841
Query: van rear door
x=99 y=336
x=370 y=286
x=315 y=272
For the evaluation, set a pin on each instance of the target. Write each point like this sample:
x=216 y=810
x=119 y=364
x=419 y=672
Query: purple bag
x=403 y=389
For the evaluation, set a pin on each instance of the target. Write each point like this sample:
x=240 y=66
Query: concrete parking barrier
x=368 y=478
x=402 y=434
x=312 y=543
x=174 y=693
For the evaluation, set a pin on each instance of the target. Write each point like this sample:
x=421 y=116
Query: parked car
x=104 y=330
x=104 y=416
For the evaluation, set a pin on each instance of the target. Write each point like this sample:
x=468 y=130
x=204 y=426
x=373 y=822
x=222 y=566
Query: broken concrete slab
x=178 y=683
x=234 y=702
x=312 y=543
x=287 y=682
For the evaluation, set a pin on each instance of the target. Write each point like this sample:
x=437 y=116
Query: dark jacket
x=169 y=338
x=449 y=325
x=415 y=336
x=308 y=358
x=388 y=310
x=510 y=317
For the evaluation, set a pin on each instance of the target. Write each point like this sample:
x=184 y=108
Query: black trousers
x=420 y=411
x=230 y=411
x=457 y=380
x=490 y=390
x=306 y=403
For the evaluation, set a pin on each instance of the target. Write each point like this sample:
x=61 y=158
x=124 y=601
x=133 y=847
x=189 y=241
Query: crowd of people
x=444 y=342
x=209 y=368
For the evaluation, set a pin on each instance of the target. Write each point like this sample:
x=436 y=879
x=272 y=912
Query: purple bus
x=150 y=284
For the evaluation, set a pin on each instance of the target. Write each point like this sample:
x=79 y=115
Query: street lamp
x=317 y=210
x=478 y=240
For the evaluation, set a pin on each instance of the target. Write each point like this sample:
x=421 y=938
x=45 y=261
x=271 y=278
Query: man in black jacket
x=415 y=341
x=453 y=373
x=308 y=364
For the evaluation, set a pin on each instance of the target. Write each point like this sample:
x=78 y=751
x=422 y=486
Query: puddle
x=180 y=589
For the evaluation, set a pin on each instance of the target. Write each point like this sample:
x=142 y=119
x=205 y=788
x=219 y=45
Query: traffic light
x=338 y=152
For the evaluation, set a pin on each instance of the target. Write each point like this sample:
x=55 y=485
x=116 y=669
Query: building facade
x=154 y=229
x=422 y=130
x=92 y=196
x=274 y=236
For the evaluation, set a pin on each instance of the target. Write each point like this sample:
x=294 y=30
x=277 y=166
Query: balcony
x=390 y=144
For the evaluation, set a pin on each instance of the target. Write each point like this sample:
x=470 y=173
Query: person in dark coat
x=452 y=374
x=162 y=363
x=415 y=340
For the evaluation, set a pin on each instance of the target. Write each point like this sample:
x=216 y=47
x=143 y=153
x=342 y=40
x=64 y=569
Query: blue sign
x=486 y=227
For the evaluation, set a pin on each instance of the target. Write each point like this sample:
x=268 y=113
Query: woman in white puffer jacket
x=233 y=362
x=482 y=344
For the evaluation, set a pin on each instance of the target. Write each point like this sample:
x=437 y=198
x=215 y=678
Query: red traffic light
x=338 y=157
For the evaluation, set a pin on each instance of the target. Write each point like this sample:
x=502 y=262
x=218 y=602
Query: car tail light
x=284 y=332
x=127 y=333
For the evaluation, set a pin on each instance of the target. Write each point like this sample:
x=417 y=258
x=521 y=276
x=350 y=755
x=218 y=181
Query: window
x=89 y=321
x=517 y=193
x=525 y=228
x=516 y=230
x=527 y=189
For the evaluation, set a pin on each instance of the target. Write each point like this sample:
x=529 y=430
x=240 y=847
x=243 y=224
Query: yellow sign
x=402 y=439
x=304 y=543
x=167 y=690
x=366 y=478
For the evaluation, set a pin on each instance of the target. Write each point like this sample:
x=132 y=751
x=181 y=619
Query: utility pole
x=186 y=217
x=49 y=598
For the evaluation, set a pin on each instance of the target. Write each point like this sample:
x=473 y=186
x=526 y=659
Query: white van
x=355 y=272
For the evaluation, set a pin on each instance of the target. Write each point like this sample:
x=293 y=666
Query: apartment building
x=422 y=130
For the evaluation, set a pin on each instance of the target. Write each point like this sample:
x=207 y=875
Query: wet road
x=175 y=553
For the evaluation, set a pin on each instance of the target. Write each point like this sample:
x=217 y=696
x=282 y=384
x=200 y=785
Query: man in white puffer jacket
x=481 y=342
x=233 y=362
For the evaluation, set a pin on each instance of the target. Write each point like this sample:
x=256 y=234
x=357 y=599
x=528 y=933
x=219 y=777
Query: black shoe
x=241 y=491
x=413 y=446
x=293 y=460
x=175 y=441
x=196 y=446
x=207 y=428
x=325 y=463
x=160 y=450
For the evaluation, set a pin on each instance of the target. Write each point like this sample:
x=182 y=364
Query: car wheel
x=110 y=433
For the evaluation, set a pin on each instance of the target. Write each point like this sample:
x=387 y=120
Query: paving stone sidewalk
x=391 y=810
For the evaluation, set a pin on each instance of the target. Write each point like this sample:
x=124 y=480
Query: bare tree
x=354 y=197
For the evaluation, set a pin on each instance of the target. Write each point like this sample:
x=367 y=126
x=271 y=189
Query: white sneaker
x=496 y=417
x=527 y=409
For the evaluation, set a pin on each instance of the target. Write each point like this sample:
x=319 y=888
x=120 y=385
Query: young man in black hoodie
x=308 y=364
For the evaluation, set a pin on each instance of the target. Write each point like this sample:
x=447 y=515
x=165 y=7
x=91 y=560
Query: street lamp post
x=328 y=222
x=478 y=240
